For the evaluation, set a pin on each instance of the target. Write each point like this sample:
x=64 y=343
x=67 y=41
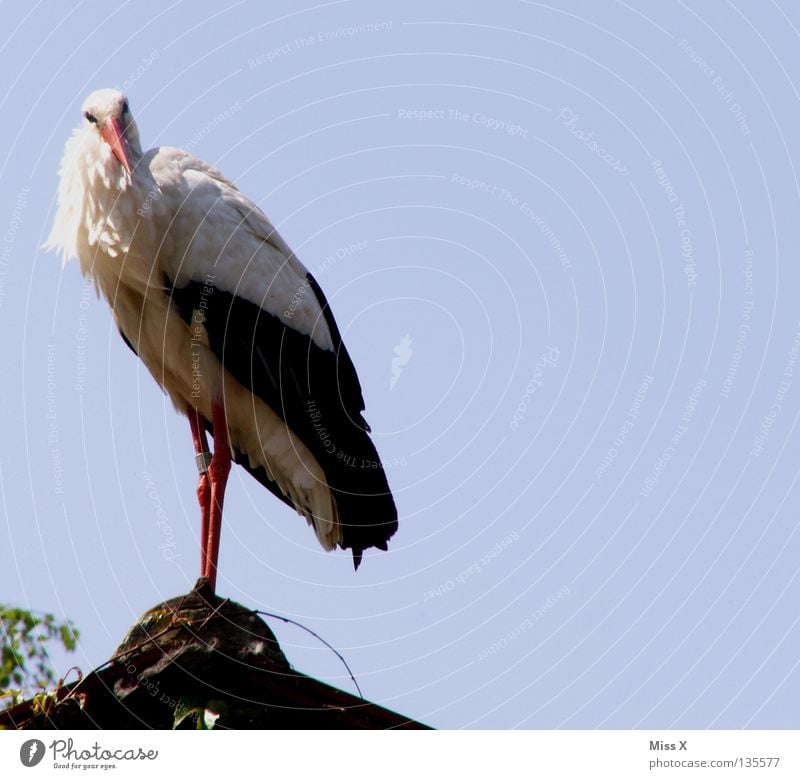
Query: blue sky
x=572 y=226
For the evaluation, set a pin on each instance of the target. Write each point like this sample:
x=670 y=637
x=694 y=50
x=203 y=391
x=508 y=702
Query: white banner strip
x=405 y=754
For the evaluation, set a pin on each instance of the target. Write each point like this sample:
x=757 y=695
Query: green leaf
x=187 y=706
x=213 y=711
x=209 y=719
x=12 y=697
x=24 y=637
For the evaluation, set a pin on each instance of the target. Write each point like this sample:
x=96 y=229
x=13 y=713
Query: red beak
x=114 y=135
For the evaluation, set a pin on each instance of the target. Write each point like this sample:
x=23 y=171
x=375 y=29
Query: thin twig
x=319 y=638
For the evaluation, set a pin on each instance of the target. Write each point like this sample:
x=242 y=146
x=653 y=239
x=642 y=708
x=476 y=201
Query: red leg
x=218 y=475
x=204 y=485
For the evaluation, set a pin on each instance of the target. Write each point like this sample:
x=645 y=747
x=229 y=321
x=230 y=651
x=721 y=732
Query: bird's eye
x=125 y=107
x=90 y=117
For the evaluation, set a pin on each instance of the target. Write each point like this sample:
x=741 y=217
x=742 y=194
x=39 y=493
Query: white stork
x=229 y=323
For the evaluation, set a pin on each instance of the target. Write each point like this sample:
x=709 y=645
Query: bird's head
x=98 y=165
x=106 y=112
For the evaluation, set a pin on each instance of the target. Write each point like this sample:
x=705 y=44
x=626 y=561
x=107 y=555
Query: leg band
x=203 y=460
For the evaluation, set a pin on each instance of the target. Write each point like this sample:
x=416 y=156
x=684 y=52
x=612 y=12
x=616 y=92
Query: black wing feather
x=314 y=390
